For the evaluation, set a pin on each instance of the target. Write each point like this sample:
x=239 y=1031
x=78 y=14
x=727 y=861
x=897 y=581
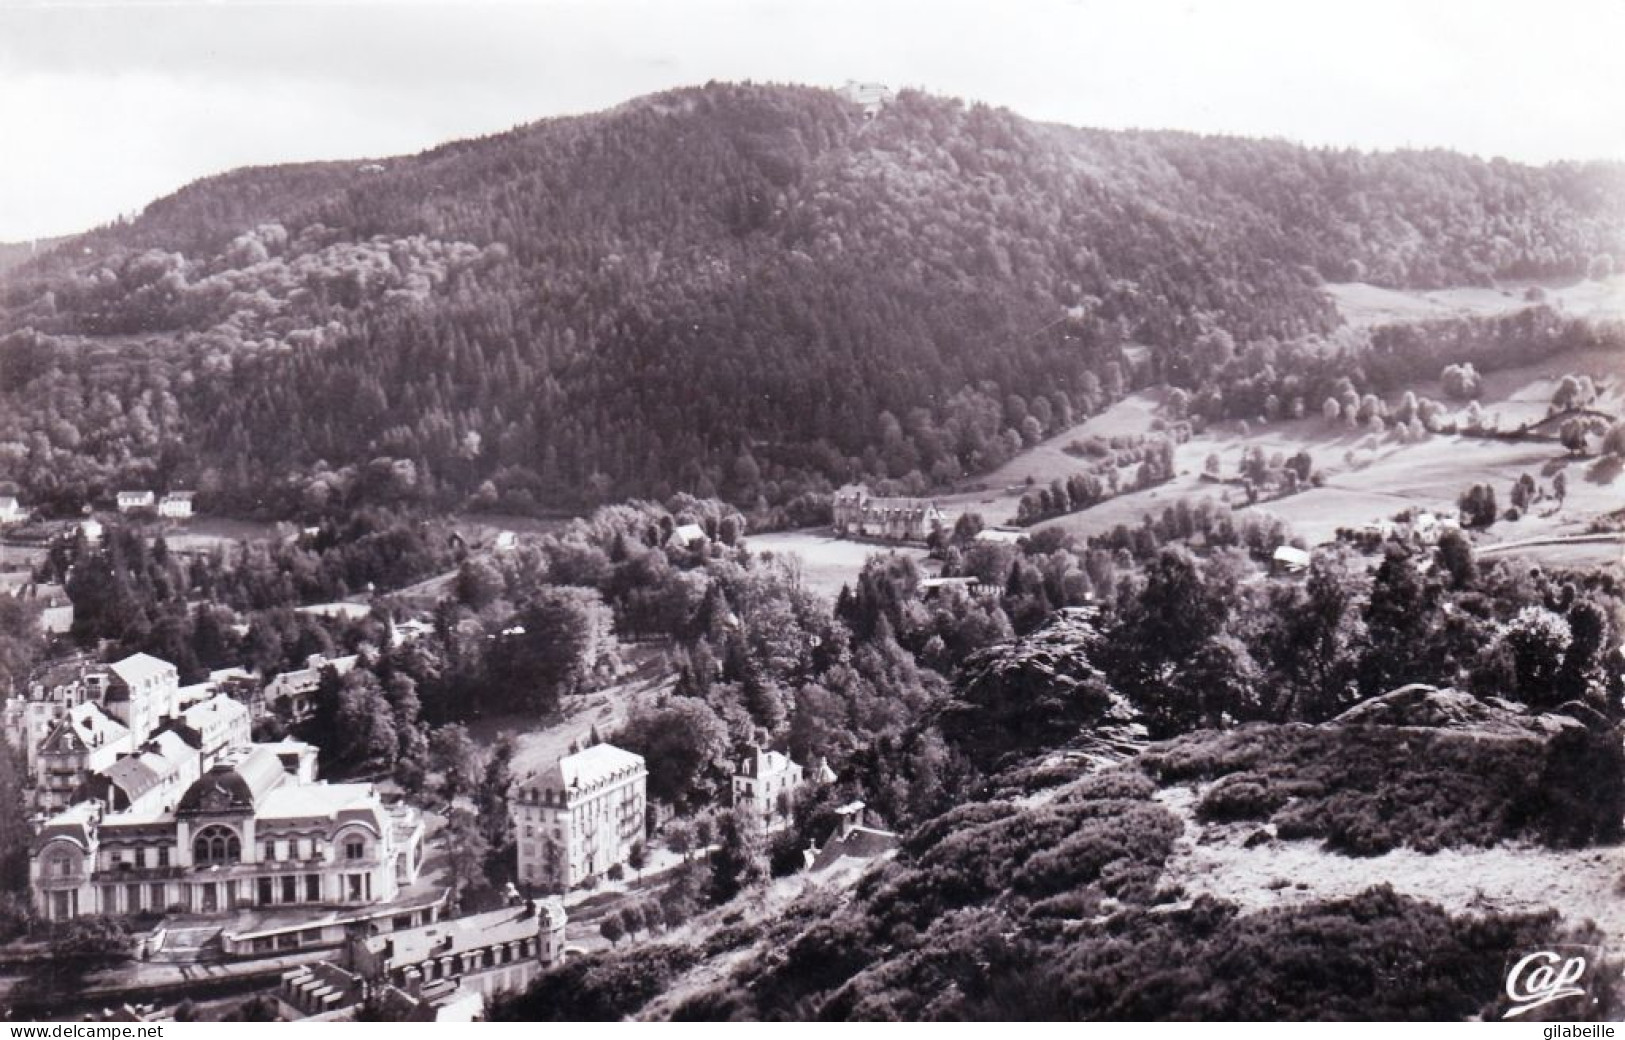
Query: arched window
x=216 y=844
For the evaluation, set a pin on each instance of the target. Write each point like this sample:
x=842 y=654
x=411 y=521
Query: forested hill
x=746 y=290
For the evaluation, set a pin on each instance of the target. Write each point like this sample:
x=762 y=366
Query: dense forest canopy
x=737 y=290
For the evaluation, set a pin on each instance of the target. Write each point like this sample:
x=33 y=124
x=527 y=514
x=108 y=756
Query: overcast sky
x=105 y=106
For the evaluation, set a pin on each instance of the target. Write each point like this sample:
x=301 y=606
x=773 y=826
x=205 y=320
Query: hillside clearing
x=1363 y=305
x=1580 y=884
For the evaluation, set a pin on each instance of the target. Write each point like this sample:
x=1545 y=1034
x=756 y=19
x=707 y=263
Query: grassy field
x=1364 y=305
x=207 y=533
x=1366 y=477
x=995 y=496
x=827 y=562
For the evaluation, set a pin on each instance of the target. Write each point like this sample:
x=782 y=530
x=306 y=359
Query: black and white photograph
x=911 y=511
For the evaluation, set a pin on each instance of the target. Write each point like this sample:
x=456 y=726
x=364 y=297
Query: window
x=270 y=851
x=163 y=856
x=140 y=857
x=290 y=889
x=355 y=848
x=267 y=891
x=216 y=845
x=313 y=888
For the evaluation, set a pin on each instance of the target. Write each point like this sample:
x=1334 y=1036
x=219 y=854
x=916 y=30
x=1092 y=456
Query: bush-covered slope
x=1053 y=908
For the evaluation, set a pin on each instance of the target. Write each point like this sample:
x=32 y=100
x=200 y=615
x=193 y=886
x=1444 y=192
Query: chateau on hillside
x=898 y=519
x=580 y=817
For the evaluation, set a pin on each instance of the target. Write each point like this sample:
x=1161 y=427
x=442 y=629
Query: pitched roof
x=1291 y=556
x=765 y=763
x=159 y=758
x=410 y=946
x=89 y=724
x=689 y=533
x=219 y=710
x=139 y=668
x=592 y=766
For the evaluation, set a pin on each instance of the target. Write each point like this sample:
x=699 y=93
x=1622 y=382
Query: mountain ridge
x=826 y=281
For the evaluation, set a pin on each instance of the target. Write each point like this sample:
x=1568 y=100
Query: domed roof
x=235 y=784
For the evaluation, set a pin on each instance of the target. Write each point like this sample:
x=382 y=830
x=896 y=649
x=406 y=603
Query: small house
x=1289 y=559
x=133 y=501
x=177 y=505
x=1001 y=536
x=687 y=536
x=11 y=510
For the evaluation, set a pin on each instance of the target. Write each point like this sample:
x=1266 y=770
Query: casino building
x=255 y=830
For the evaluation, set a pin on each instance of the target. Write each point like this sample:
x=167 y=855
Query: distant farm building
x=177 y=505
x=930 y=588
x=1289 y=560
x=132 y=501
x=1001 y=536
x=897 y=519
x=687 y=536
x=11 y=510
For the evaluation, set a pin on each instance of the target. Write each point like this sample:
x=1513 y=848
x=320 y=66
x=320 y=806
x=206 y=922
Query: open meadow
x=826 y=562
x=1364 y=305
x=1366 y=477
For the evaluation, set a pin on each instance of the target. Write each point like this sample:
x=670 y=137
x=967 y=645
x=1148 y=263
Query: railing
x=277 y=866
x=135 y=873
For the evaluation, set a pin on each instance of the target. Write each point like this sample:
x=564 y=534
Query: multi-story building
x=294 y=693
x=897 y=519
x=213 y=726
x=247 y=833
x=580 y=817
x=80 y=717
x=765 y=783
x=85 y=741
x=151 y=780
x=51 y=693
x=438 y=972
x=140 y=692
x=177 y=505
